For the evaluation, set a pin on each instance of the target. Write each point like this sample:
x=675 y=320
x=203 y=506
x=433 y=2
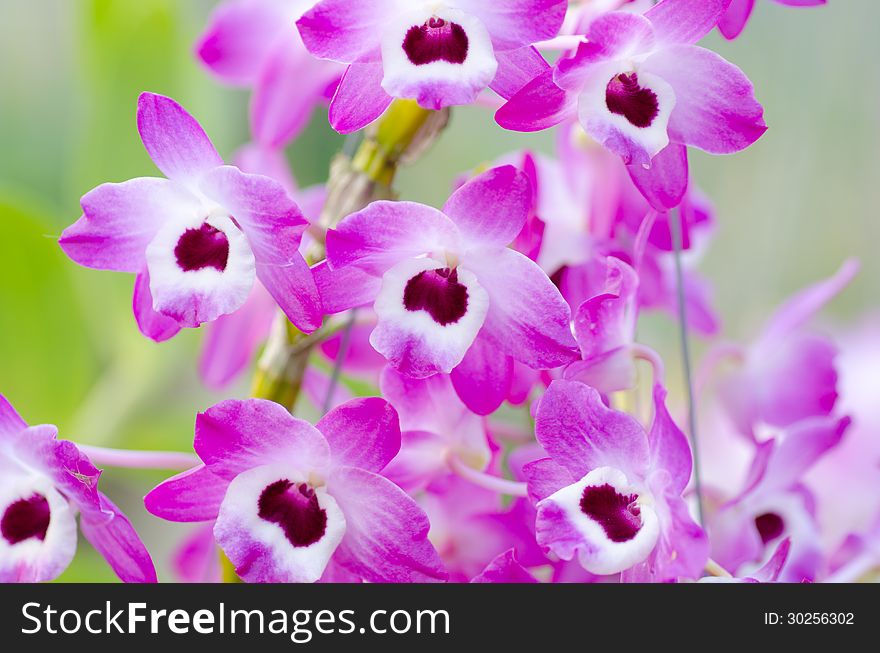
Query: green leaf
x=45 y=350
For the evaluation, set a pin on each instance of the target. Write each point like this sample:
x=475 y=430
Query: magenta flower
x=640 y=86
x=438 y=53
x=198 y=240
x=255 y=43
x=449 y=295
x=470 y=528
x=788 y=374
x=610 y=494
x=587 y=208
x=734 y=20
x=45 y=483
x=436 y=426
x=774 y=503
x=851 y=468
x=605 y=329
x=292 y=501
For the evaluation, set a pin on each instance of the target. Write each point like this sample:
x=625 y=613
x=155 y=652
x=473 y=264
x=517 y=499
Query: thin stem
x=675 y=229
x=645 y=353
x=340 y=360
x=487 y=481
x=169 y=460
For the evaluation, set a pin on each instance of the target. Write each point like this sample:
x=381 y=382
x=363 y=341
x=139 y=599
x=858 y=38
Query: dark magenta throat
x=626 y=98
x=436 y=40
x=618 y=514
x=439 y=293
x=26 y=518
x=770 y=526
x=294 y=507
x=205 y=247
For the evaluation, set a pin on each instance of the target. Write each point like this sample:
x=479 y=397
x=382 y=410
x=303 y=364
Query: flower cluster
x=514 y=435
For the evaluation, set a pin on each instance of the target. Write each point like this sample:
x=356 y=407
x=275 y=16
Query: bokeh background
x=790 y=209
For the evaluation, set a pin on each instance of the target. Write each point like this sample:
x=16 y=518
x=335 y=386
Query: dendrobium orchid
x=605 y=328
x=610 y=494
x=437 y=52
x=44 y=483
x=199 y=239
x=738 y=13
x=774 y=503
x=587 y=209
x=514 y=438
x=449 y=295
x=850 y=469
x=788 y=373
x=640 y=86
x=255 y=43
x=292 y=502
x=470 y=528
x=438 y=429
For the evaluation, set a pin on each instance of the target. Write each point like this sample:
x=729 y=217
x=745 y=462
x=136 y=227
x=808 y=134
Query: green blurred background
x=790 y=209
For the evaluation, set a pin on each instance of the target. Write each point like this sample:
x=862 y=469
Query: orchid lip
x=25 y=519
x=439 y=293
x=296 y=510
x=274 y=525
x=618 y=514
x=436 y=40
x=770 y=526
x=624 y=96
x=202 y=247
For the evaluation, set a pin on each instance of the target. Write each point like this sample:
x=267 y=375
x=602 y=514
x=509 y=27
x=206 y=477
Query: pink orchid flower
x=449 y=294
x=438 y=53
x=45 y=483
x=610 y=494
x=775 y=504
x=788 y=374
x=640 y=86
x=255 y=43
x=288 y=498
x=199 y=239
x=436 y=426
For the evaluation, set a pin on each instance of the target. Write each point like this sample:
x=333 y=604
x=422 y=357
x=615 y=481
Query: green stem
x=675 y=228
x=227 y=569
